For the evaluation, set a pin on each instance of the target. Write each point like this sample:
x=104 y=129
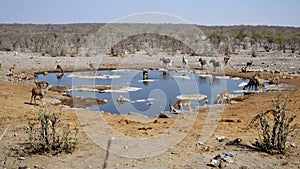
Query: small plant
x=47 y=135
x=275 y=127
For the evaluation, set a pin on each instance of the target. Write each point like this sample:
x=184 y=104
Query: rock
x=221 y=138
x=200 y=143
x=215 y=162
x=235 y=141
x=227 y=157
x=23 y=167
x=21 y=158
x=162 y=115
x=292 y=144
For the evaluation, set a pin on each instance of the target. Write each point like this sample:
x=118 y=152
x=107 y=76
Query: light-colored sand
x=141 y=142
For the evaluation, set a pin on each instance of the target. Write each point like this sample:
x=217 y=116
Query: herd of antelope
x=256 y=82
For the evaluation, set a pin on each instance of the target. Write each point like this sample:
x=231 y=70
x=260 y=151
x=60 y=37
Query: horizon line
x=209 y=25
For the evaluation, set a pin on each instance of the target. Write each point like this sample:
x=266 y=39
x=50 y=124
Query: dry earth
x=142 y=142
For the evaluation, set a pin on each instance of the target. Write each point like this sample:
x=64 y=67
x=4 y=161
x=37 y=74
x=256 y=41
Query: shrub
x=48 y=135
x=274 y=127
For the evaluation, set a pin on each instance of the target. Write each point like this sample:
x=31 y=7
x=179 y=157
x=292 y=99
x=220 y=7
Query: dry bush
x=48 y=135
x=275 y=127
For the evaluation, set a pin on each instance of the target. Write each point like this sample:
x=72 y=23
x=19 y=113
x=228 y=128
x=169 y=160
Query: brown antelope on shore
x=59 y=68
x=92 y=66
x=223 y=98
x=226 y=59
x=39 y=90
x=180 y=104
x=41 y=84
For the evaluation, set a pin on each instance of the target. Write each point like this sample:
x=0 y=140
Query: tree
x=216 y=39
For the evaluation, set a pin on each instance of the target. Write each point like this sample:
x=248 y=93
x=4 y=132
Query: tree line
x=75 y=39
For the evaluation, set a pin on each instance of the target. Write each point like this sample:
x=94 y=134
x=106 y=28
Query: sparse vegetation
x=84 y=40
x=275 y=127
x=47 y=134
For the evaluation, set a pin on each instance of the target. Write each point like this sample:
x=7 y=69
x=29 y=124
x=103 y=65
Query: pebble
x=221 y=138
x=292 y=144
x=215 y=162
x=200 y=143
x=21 y=158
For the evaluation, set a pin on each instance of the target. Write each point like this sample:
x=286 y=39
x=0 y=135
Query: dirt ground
x=143 y=142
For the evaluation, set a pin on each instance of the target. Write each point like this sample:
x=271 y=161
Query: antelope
x=92 y=66
x=60 y=72
x=226 y=59
x=255 y=82
x=223 y=97
x=59 y=68
x=202 y=62
x=41 y=84
x=180 y=104
x=244 y=69
x=11 y=69
x=274 y=80
x=39 y=90
x=260 y=82
x=18 y=76
x=166 y=62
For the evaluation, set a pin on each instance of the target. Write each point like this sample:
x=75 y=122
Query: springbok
x=39 y=90
x=11 y=69
x=59 y=69
x=261 y=82
x=244 y=69
x=180 y=104
x=60 y=72
x=202 y=62
x=41 y=84
x=166 y=62
x=223 y=97
x=274 y=80
x=226 y=59
x=92 y=66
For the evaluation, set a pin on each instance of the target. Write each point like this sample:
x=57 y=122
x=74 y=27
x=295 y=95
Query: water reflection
x=159 y=88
